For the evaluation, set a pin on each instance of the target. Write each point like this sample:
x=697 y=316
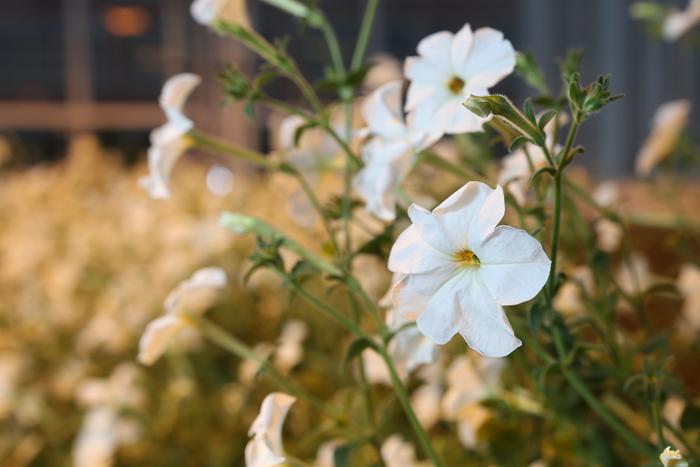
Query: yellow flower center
x=467 y=259
x=455 y=84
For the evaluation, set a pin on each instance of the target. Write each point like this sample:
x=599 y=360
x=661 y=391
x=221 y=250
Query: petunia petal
x=492 y=58
x=176 y=91
x=484 y=324
x=412 y=293
x=412 y=255
x=269 y=422
x=442 y=317
x=461 y=47
x=383 y=112
x=431 y=230
x=157 y=337
x=514 y=267
x=471 y=213
x=435 y=48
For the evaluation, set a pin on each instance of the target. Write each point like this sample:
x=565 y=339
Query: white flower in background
x=689 y=286
x=669 y=120
x=470 y=380
x=97 y=441
x=633 y=275
x=425 y=401
x=326 y=452
x=194 y=295
x=398 y=453
x=265 y=448
x=451 y=67
x=408 y=349
x=609 y=234
x=678 y=22
x=607 y=194
x=671 y=458
x=205 y=12
x=390 y=153
x=460 y=269
x=517 y=167
x=104 y=428
x=569 y=297
x=169 y=141
x=290 y=350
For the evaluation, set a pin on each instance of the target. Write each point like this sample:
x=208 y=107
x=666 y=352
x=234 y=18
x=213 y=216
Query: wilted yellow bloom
x=671 y=458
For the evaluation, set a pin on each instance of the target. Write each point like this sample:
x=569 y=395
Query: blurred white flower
x=678 y=22
x=669 y=120
x=689 y=286
x=460 y=269
x=220 y=180
x=425 y=401
x=169 y=141
x=290 y=349
x=609 y=234
x=326 y=452
x=517 y=168
x=390 y=153
x=194 y=295
x=607 y=194
x=633 y=275
x=451 y=67
x=96 y=442
x=398 y=453
x=470 y=380
x=205 y=12
x=265 y=448
x=671 y=458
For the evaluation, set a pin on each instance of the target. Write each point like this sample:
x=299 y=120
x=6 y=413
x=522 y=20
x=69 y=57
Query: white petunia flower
x=398 y=453
x=390 y=153
x=205 y=12
x=460 y=269
x=607 y=194
x=451 y=67
x=634 y=275
x=291 y=350
x=671 y=458
x=194 y=295
x=609 y=235
x=265 y=448
x=669 y=120
x=678 y=22
x=517 y=168
x=169 y=141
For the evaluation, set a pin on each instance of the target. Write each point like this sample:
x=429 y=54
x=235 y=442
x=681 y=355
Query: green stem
x=363 y=38
x=556 y=222
x=333 y=46
x=430 y=158
x=324 y=307
x=629 y=438
x=402 y=394
x=221 y=337
x=210 y=143
x=297 y=9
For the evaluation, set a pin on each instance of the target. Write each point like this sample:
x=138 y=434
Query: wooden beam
x=80 y=116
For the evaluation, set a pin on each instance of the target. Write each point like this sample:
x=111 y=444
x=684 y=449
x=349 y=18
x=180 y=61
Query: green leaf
x=571 y=64
x=501 y=107
x=526 y=67
x=530 y=111
x=356 y=347
x=544 y=170
x=545 y=118
x=519 y=142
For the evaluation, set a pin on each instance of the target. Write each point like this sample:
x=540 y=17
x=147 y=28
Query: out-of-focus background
x=97 y=65
x=87 y=258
